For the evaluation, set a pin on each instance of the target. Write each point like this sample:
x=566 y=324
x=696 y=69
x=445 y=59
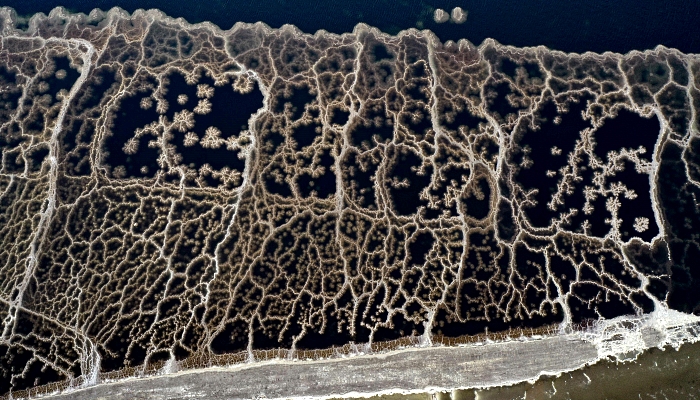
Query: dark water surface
x=572 y=26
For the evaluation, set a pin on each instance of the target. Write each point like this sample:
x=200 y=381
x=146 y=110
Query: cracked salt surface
x=176 y=197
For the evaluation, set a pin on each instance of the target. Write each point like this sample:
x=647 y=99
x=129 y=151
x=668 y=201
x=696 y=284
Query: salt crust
x=622 y=338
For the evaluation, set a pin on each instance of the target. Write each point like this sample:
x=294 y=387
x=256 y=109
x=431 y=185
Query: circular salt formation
x=61 y=73
x=458 y=15
x=440 y=16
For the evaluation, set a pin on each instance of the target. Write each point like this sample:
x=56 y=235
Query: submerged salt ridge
x=172 y=191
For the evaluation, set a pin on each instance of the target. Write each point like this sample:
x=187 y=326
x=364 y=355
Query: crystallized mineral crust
x=173 y=192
